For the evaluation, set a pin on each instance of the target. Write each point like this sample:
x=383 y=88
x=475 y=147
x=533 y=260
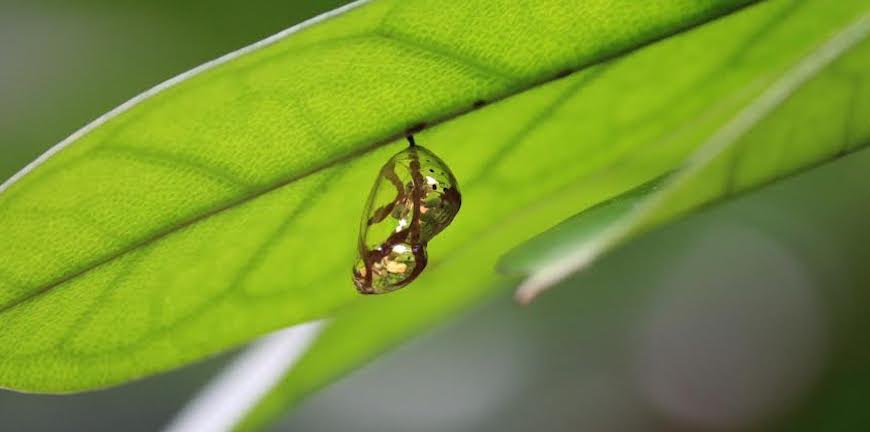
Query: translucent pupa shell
x=413 y=199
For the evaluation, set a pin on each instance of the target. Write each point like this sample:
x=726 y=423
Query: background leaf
x=806 y=118
x=182 y=223
x=639 y=132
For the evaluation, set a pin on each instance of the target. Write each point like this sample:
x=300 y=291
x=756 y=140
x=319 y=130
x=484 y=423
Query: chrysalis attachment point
x=413 y=199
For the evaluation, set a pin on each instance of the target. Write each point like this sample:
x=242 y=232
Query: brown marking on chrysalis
x=415 y=235
x=409 y=235
x=382 y=213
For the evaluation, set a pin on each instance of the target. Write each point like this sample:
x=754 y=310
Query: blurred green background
x=751 y=315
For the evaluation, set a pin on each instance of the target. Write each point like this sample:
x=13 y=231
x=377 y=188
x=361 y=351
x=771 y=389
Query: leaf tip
x=531 y=287
x=552 y=274
x=524 y=297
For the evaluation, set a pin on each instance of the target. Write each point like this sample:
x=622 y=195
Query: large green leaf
x=763 y=93
x=224 y=203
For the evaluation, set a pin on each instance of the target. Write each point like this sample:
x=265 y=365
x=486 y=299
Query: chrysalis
x=414 y=198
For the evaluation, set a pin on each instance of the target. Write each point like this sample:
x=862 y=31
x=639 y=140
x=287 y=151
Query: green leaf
x=224 y=203
x=555 y=243
x=769 y=91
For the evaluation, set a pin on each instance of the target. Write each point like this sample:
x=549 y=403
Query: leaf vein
x=153 y=156
x=536 y=122
x=444 y=53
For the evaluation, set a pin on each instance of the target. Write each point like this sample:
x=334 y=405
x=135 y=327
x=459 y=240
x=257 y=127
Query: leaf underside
x=226 y=205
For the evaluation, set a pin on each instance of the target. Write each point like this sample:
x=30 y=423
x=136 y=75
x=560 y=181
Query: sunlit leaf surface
x=226 y=205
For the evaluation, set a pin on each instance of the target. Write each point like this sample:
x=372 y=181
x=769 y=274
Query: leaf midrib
x=362 y=150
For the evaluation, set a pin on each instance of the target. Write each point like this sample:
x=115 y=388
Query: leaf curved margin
x=99 y=121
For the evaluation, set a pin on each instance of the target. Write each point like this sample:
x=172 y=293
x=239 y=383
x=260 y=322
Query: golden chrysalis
x=413 y=199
